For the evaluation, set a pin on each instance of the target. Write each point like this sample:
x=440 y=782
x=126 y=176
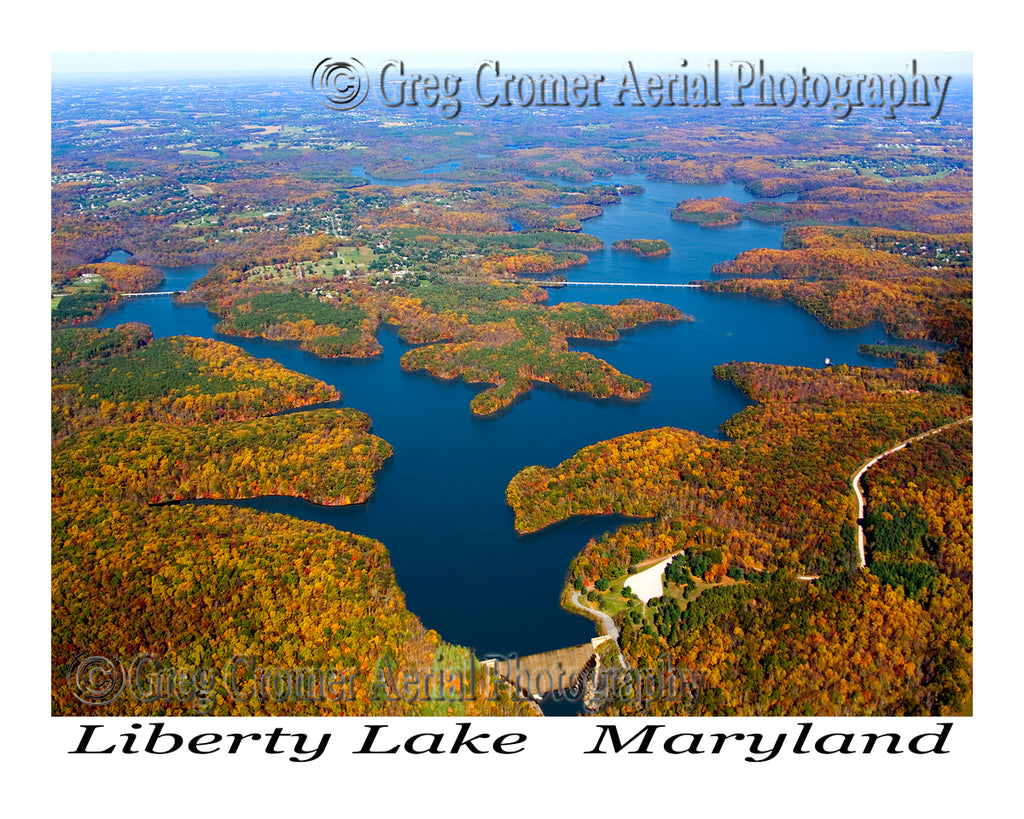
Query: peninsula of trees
x=496 y=332
x=142 y=422
x=766 y=521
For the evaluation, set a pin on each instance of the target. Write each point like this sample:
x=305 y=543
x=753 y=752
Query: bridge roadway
x=526 y=281
x=608 y=284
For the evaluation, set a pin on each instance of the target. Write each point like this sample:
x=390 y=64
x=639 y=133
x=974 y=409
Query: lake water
x=439 y=504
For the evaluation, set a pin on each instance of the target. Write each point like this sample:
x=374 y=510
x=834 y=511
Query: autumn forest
x=467 y=241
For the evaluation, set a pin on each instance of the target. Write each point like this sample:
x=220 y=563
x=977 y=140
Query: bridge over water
x=525 y=281
x=608 y=284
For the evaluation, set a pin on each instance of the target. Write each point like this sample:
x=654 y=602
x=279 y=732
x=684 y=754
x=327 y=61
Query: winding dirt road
x=855 y=480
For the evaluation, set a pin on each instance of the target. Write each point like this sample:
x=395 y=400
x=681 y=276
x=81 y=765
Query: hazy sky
x=77 y=62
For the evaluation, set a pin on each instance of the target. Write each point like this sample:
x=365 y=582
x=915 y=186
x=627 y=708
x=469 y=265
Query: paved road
x=855 y=480
x=609 y=624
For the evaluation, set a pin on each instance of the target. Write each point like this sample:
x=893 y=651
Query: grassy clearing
x=613 y=601
x=79 y=285
x=201 y=221
x=348 y=259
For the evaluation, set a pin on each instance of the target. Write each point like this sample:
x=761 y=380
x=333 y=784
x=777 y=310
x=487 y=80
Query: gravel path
x=609 y=624
x=855 y=480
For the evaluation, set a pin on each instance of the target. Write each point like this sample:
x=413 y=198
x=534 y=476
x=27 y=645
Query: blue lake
x=439 y=504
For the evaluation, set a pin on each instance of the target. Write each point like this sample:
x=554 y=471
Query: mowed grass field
x=613 y=600
x=348 y=259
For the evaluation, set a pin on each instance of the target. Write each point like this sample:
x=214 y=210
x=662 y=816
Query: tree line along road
x=855 y=480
